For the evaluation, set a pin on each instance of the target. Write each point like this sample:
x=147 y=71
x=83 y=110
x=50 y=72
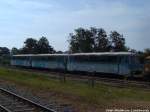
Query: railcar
x=45 y=61
x=21 y=60
x=121 y=63
x=49 y=61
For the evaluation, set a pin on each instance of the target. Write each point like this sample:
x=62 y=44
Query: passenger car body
x=121 y=63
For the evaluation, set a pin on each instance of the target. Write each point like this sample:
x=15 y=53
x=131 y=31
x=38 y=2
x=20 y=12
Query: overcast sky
x=55 y=19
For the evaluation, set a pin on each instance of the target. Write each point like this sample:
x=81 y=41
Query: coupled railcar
x=45 y=61
x=121 y=63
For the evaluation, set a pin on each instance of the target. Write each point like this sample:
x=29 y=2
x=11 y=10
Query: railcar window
x=104 y=59
x=134 y=60
x=37 y=58
x=124 y=59
x=60 y=58
x=51 y=58
x=43 y=58
x=21 y=58
x=80 y=58
x=48 y=58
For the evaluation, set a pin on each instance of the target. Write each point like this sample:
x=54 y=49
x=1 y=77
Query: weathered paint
x=113 y=68
x=47 y=64
x=121 y=66
x=124 y=69
x=21 y=63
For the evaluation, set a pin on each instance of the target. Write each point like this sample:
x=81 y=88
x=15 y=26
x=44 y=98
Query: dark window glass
x=49 y=58
x=80 y=58
x=103 y=59
x=21 y=57
x=124 y=59
x=134 y=60
x=43 y=58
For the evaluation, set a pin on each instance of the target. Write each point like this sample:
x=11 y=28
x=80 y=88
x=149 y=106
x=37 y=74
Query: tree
x=4 y=51
x=101 y=42
x=14 y=51
x=117 y=42
x=30 y=46
x=43 y=46
x=74 y=44
x=33 y=46
x=89 y=40
x=81 y=41
x=59 y=52
x=4 y=55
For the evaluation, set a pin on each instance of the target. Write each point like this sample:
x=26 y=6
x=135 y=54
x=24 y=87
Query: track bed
x=11 y=102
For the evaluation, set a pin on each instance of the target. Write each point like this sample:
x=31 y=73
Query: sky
x=55 y=19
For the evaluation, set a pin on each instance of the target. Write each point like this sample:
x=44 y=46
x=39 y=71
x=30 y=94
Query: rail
x=24 y=100
x=3 y=109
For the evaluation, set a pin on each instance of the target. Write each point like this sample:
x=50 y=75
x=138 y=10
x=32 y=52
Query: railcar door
x=135 y=66
x=124 y=65
x=104 y=64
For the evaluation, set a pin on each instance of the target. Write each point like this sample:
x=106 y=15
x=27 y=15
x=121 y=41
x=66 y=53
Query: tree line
x=96 y=40
x=80 y=41
x=33 y=46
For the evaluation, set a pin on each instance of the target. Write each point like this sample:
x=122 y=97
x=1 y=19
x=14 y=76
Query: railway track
x=11 y=102
x=124 y=83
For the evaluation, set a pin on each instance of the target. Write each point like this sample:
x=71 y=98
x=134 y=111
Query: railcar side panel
x=124 y=69
x=94 y=67
x=115 y=63
x=100 y=64
x=135 y=65
x=47 y=64
x=17 y=62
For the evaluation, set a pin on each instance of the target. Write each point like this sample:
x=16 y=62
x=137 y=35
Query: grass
x=100 y=94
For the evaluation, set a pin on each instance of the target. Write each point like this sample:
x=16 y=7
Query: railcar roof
x=40 y=55
x=79 y=54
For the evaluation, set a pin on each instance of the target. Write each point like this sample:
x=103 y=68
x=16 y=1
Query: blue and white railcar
x=48 y=61
x=45 y=61
x=21 y=60
x=120 y=63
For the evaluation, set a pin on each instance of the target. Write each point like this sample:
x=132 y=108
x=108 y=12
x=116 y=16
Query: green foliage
x=4 y=56
x=101 y=40
x=117 y=41
x=4 y=51
x=96 y=40
x=5 y=60
x=33 y=46
x=14 y=51
x=43 y=46
x=30 y=46
x=81 y=41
